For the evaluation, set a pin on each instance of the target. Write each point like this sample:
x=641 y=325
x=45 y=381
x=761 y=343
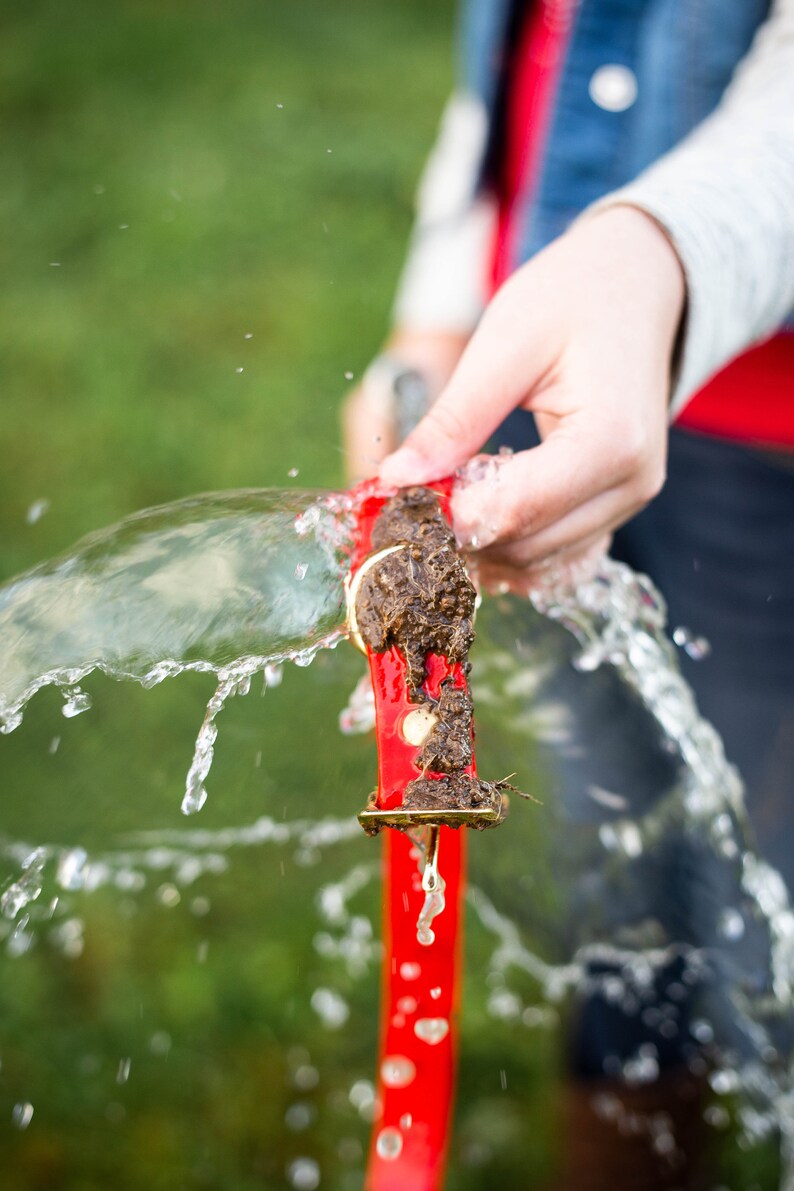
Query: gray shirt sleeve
x=725 y=197
x=443 y=283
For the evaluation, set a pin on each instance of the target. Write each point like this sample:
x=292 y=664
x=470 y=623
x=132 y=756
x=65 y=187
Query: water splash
x=27 y=887
x=225 y=583
x=237 y=585
x=195 y=793
x=234 y=584
x=426 y=847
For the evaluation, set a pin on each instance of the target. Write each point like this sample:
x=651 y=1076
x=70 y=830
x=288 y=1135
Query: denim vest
x=682 y=54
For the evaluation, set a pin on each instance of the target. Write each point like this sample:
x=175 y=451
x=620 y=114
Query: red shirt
x=751 y=399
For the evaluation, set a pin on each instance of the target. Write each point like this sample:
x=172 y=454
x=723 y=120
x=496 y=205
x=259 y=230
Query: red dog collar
x=421 y=979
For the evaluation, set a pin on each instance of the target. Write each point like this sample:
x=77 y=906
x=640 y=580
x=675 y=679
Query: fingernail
x=405 y=467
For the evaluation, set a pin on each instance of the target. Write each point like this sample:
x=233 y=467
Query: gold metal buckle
x=373 y=818
x=352 y=585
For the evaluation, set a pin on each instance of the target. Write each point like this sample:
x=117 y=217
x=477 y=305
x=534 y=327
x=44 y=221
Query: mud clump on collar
x=419 y=599
x=448 y=748
x=459 y=791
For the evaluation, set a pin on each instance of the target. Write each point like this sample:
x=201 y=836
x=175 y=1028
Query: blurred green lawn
x=175 y=178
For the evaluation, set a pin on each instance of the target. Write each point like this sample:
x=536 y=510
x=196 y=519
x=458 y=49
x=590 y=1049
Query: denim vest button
x=613 y=87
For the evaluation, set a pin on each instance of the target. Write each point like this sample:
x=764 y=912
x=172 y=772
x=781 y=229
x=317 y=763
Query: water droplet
x=203 y=753
x=332 y=1009
x=304 y=1174
x=643 y=1068
x=307 y=521
x=407 y=1004
x=160 y=1043
x=27 y=887
x=622 y=837
x=433 y=906
x=717 y=1116
x=68 y=937
x=362 y=1097
x=169 y=895
x=702 y=1031
x=123 y=227
x=504 y=1005
x=358 y=716
x=696 y=647
x=349 y=375
x=410 y=971
x=435 y=993
x=305 y=1077
x=731 y=924
x=248 y=335
x=293 y=473
x=123 y=1072
x=724 y=1082
x=389 y=1145
x=304 y=658
x=300 y=571
x=239 y=370
x=22 y=1115
x=431 y=1030
x=299 y=1116
x=397 y=1071
x=194 y=799
x=406 y=1120
x=273 y=674
x=279 y=105
x=9 y=721
x=664 y=1142
x=77 y=701
x=55 y=744
x=71 y=868
x=36 y=511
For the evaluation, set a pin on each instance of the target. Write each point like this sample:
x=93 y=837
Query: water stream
x=637 y=872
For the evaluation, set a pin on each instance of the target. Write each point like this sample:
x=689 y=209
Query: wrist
x=645 y=254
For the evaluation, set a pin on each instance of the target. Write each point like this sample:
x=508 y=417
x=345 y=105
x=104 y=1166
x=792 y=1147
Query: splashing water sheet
x=239 y=584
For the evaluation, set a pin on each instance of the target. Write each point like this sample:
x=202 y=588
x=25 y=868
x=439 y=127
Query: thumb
x=485 y=387
x=444 y=439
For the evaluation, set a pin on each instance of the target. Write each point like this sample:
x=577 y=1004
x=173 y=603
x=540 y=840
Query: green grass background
x=173 y=177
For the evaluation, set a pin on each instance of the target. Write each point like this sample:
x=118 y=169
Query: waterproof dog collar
x=421 y=967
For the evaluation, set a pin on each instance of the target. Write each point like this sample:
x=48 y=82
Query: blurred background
x=204 y=209
x=176 y=177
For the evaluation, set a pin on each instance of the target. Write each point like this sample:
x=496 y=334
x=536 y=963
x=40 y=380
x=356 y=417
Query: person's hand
x=583 y=336
x=368 y=429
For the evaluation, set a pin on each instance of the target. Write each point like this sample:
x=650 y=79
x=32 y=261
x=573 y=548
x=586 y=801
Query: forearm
x=442 y=287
